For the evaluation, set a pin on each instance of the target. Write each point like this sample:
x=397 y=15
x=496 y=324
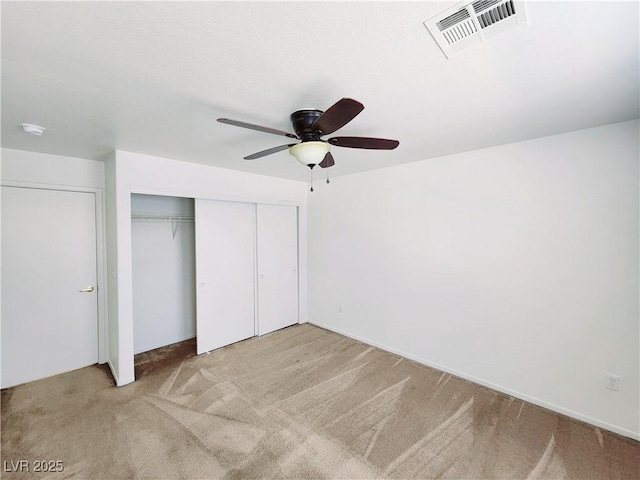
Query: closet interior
x=163 y=262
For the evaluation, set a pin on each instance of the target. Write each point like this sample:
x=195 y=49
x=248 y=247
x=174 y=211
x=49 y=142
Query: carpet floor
x=302 y=402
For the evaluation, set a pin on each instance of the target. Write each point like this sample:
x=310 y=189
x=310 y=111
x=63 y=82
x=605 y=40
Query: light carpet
x=302 y=402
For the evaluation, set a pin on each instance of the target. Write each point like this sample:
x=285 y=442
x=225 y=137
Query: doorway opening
x=163 y=265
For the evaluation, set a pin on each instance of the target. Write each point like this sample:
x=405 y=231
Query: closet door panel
x=225 y=298
x=277 y=228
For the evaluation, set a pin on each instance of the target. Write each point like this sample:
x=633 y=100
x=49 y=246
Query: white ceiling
x=153 y=77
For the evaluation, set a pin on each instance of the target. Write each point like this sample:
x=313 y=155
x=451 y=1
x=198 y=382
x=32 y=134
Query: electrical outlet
x=613 y=382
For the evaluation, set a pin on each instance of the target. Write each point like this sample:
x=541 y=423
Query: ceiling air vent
x=470 y=23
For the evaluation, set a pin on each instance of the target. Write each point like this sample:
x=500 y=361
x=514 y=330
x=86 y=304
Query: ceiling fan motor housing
x=302 y=121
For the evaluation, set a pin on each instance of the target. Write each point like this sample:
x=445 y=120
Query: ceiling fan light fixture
x=309 y=153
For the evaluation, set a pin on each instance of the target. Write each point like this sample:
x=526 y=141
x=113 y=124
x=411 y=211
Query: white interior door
x=48 y=256
x=225 y=298
x=277 y=227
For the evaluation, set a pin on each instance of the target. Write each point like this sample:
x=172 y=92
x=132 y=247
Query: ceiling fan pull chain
x=311 y=176
x=327 y=176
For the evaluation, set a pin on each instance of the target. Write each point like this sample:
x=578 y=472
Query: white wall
x=163 y=263
x=45 y=169
x=138 y=173
x=118 y=207
x=514 y=266
x=112 y=260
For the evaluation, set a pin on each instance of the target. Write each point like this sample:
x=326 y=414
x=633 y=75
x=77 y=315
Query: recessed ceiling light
x=32 y=129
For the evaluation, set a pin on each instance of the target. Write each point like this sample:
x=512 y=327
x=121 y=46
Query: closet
x=163 y=263
x=221 y=271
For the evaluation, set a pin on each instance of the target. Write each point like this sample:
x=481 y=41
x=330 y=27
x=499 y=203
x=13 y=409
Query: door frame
x=101 y=260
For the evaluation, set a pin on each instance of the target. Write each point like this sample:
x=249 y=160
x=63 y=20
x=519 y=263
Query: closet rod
x=167 y=219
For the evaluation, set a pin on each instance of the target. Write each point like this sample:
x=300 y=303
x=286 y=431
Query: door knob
x=89 y=289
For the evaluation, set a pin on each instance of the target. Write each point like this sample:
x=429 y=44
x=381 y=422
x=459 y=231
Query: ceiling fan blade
x=337 y=115
x=259 y=128
x=268 y=151
x=364 y=142
x=327 y=161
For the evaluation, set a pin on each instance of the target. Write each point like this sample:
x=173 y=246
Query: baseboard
x=484 y=383
x=119 y=383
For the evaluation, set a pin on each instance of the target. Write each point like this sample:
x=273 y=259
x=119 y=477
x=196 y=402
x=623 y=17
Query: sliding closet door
x=225 y=305
x=277 y=227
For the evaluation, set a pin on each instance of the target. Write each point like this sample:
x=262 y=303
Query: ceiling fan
x=310 y=125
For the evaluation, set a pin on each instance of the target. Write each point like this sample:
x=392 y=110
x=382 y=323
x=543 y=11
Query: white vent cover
x=470 y=23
